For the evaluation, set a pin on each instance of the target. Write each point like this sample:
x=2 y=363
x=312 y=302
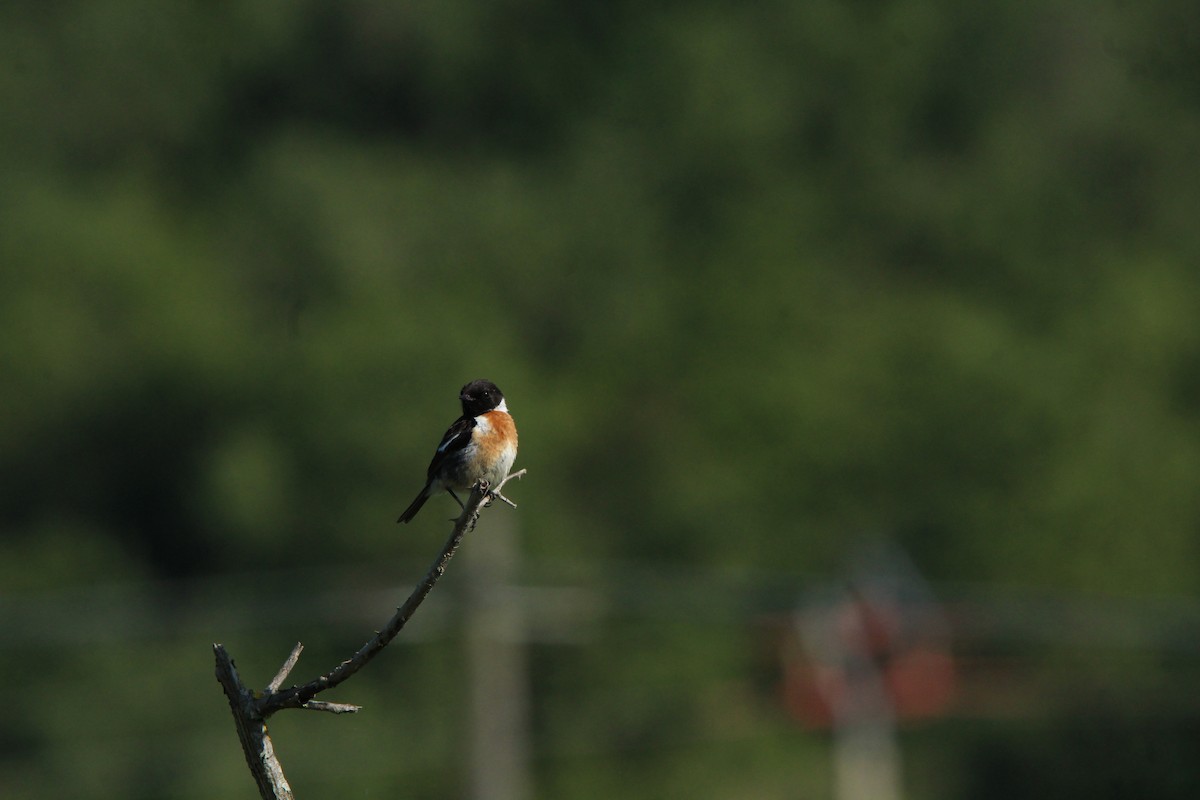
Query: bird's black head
x=479 y=396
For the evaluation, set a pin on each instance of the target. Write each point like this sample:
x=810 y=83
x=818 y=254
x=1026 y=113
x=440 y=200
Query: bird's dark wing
x=456 y=438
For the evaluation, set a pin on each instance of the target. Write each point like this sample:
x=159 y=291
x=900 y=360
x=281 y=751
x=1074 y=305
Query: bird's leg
x=460 y=502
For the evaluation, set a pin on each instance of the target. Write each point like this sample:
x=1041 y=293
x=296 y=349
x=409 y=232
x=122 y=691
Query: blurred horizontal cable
x=559 y=600
x=994 y=614
x=132 y=610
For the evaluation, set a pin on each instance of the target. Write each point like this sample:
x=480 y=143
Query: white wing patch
x=449 y=440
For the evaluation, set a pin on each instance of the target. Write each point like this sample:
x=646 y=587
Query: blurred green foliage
x=756 y=278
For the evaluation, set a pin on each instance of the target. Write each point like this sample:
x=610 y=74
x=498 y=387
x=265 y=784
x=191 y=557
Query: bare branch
x=281 y=676
x=496 y=492
x=252 y=731
x=250 y=711
x=298 y=696
x=332 y=708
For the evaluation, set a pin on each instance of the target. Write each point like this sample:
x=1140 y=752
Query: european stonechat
x=482 y=443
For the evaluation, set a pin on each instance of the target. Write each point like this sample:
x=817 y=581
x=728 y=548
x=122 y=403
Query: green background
x=761 y=281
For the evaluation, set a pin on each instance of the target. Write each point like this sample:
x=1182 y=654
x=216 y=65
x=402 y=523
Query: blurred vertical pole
x=866 y=756
x=844 y=638
x=496 y=663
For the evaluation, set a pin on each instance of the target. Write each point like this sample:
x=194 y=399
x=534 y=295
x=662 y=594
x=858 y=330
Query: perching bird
x=482 y=443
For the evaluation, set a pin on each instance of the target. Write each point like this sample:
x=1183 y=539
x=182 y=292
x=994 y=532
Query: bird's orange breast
x=497 y=443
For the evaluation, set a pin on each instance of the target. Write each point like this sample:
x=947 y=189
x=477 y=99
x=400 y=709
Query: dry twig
x=251 y=709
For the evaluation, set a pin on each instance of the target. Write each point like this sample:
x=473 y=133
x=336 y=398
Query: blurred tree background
x=759 y=280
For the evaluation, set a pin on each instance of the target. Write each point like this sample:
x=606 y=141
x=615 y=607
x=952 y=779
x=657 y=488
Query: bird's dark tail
x=412 y=510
